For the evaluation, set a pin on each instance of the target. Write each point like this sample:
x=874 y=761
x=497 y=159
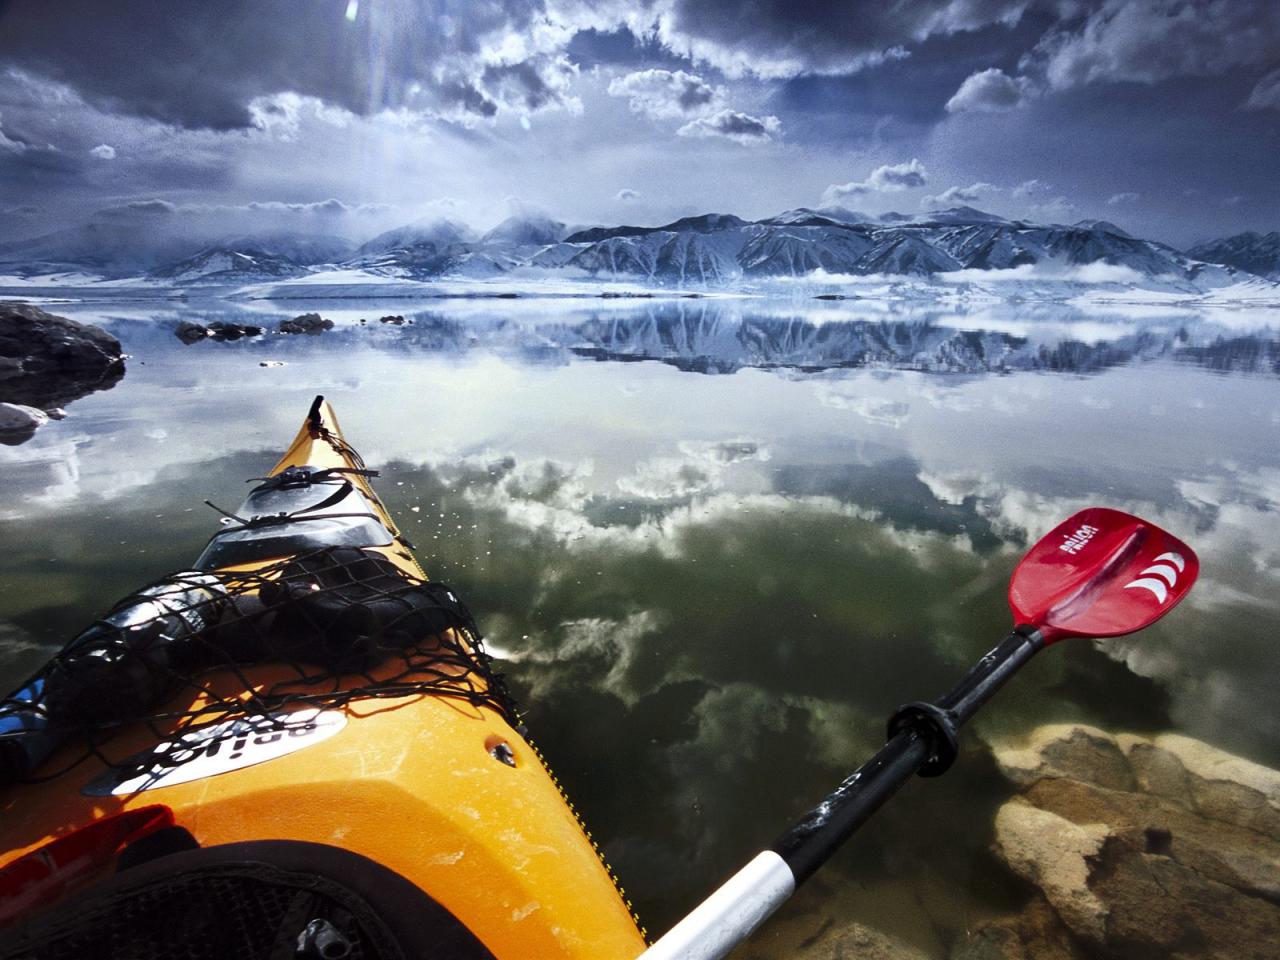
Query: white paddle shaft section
x=727 y=917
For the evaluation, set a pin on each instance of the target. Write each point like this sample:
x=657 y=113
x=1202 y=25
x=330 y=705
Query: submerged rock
x=1136 y=847
x=1055 y=854
x=306 y=323
x=856 y=942
x=48 y=361
x=817 y=935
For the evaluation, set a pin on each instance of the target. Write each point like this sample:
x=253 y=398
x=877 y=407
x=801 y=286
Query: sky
x=354 y=116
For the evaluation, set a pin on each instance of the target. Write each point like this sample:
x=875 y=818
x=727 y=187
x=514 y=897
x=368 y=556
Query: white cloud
x=626 y=194
x=104 y=151
x=1118 y=199
x=1030 y=188
x=9 y=145
x=954 y=196
x=1041 y=204
x=889 y=178
x=733 y=125
x=1266 y=94
x=611 y=641
x=878 y=410
x=990 y=91
x=667 y=478
x=1050 y=270
x=664 y=93
x=1055 y=208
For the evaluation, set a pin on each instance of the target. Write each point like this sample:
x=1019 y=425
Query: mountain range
x=711 y=250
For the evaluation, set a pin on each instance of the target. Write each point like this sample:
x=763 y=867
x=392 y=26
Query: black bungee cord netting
x=339 y=625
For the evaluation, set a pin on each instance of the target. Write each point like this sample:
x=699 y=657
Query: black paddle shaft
x=922 y=739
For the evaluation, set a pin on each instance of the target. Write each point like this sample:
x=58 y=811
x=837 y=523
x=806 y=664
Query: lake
x=715 y=542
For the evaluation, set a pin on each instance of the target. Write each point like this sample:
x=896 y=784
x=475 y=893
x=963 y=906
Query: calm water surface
x=716 y=543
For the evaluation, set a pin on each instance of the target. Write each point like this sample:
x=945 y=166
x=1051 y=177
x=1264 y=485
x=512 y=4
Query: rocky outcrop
x=48 y=361
x=1136 y=847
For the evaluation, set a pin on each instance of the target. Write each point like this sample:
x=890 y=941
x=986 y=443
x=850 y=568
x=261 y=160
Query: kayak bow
x=443 y=796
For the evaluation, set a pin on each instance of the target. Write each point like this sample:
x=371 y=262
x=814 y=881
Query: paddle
x=1101 y=573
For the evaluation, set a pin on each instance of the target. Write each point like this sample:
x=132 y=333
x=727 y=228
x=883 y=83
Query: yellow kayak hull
x=411 y=783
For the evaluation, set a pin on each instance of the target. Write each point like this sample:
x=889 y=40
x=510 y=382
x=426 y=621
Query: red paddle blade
x=1102 y=573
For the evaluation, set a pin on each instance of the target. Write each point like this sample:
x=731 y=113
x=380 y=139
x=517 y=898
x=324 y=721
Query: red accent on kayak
x=49 y=872
x=1101 y=573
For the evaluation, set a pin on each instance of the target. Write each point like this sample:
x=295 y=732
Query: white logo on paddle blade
x=1163 y=575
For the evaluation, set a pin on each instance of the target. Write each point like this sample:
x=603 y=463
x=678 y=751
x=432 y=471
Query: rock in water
x=1136 y=847
x=306 y=323
x=48 y=361
x=18 y=423
x=189 y=332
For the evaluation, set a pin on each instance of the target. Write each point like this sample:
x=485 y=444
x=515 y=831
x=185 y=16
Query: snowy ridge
x=955 y=253
x=1257 y=253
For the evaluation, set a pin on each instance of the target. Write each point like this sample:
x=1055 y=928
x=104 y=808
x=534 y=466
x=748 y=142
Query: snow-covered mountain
x=250 y=259
x=712 y=249
x=429 y=235
x=1257 y=253
x=301 y=248
x=220 y=265
x=526 y=231
x=719 y=247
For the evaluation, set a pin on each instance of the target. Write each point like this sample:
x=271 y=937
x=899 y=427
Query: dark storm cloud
x=534 y=84
x=200 y=65
x=1087 y=95
x=30 y=162
x=790 y=37
x=138 y=209
x=467 y=96
x=1147 y=41
x=621 y=48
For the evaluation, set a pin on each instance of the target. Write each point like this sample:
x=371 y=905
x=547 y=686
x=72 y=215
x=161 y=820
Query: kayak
x=355 y=790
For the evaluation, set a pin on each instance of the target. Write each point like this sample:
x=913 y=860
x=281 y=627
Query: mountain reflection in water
x=724 y=336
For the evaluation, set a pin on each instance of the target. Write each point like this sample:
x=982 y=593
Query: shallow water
x=712 y=574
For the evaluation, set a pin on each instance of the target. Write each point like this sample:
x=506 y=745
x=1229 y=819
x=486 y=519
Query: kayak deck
x=441 y=789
